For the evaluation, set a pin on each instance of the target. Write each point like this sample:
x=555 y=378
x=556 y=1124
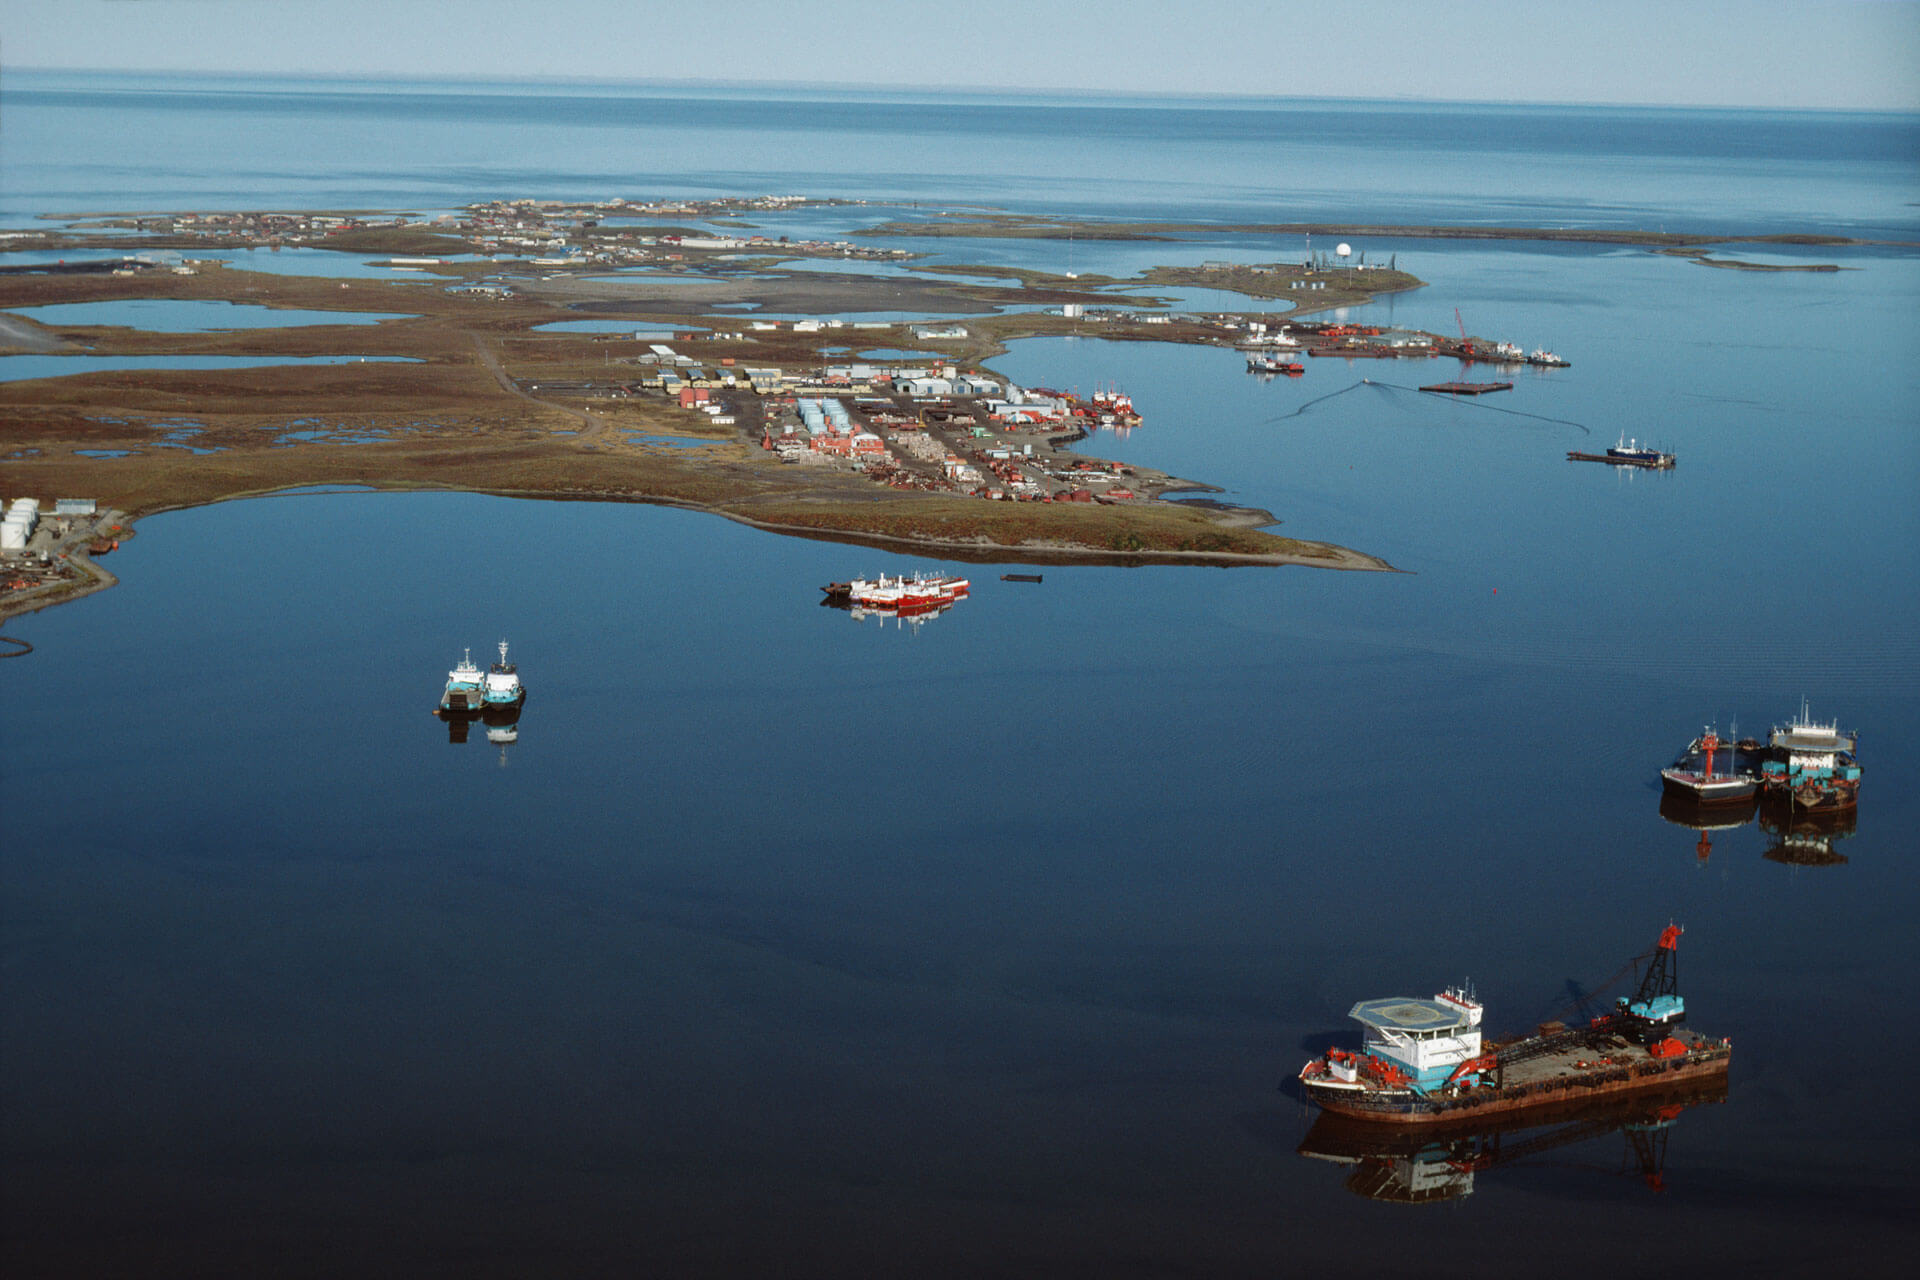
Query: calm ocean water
x=783 y=943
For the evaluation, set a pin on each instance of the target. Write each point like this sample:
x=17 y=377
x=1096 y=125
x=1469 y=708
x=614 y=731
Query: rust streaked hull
x=1403 y=1107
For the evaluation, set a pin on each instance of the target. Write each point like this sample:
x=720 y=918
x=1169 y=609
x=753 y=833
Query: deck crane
x=1653 y=1011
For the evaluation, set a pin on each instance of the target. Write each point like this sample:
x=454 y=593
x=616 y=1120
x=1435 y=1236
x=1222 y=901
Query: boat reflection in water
x=903 y=619
x=1417 y=1165
x=1684 y=811
x=1805 y=837
x=502 y=726
x=1801 y=837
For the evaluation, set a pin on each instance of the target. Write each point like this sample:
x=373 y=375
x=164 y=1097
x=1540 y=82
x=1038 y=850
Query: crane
x=1466 y=347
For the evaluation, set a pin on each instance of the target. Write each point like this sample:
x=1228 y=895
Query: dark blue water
x=782 y=943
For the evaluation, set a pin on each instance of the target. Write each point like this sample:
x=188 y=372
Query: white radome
x=1344 y=250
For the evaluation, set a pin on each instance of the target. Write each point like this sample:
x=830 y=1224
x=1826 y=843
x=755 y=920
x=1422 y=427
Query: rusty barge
x=1423 y=1062
x=1466 y=388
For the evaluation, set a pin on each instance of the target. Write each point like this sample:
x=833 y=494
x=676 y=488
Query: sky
x=1858 y=54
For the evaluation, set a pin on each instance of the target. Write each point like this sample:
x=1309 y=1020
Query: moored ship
x=466 y=689
x=1266 y=362
x=1423 y=1062
x=1813 y=766
x=503 y=691
x=1692 y=773
x=1640 y=455
x=920 y=593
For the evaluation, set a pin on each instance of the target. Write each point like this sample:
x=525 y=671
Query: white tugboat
x=503 y=691
x=464 y=689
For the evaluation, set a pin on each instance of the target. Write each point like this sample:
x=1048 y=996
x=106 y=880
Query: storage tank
x=13 y=536
x=24 y=504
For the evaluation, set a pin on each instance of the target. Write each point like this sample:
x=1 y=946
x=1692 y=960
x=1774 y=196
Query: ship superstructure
x=1813 y=766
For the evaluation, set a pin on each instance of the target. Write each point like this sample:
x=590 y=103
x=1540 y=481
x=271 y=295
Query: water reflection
x=1683 y=810
x=1801 y=837
x=1805 y=838
x=909 y=620
x=1416 y=1165
x=501 y=725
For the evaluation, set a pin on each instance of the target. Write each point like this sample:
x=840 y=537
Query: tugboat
x=1546 y=359
x=1813 y=766
x=1691 y=774
x=1637 y=454
x=1422 y=1062
x=465 y=695
x=1263 y=362
x=503 y=691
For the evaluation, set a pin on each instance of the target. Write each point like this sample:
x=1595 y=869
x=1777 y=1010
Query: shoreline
x=964 y=549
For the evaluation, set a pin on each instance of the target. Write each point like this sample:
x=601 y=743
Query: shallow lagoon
x=190 y=315
x=15 y=368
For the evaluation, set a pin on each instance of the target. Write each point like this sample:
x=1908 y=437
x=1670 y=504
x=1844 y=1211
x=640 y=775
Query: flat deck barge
x=1467 y=388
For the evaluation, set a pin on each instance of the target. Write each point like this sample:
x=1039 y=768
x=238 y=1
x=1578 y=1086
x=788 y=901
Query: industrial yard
x=47 y=551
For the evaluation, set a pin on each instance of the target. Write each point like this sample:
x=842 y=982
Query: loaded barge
x=1422 y=1062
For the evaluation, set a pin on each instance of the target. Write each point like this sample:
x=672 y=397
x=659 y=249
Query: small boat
x=1812 y=765
x=503 y=690
x=466 y=689
x=1546 y=359
x=1692 y=774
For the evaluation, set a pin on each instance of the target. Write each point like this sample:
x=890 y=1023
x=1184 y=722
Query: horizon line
x=895 y=87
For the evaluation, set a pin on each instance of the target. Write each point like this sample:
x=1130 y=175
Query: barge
x=1423 y=1062
x=1466 y=388
x=1692 y=775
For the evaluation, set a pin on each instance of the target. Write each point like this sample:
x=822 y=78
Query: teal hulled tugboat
x=465 y=695
x=503 y=693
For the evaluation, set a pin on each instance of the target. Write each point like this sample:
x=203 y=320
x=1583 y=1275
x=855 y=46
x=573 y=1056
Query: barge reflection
x=1422 y=1165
